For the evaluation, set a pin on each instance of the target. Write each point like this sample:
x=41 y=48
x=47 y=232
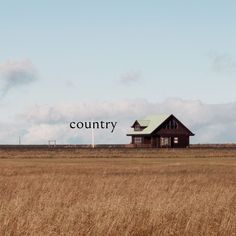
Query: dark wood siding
x=183 y=141
x=147 y=139
x=167 y=129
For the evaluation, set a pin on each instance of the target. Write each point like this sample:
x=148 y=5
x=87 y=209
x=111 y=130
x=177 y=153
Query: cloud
x=130 y=77
x=70 y=84
x=212 y=123
x=87 y=110
x=222 y=62
x=10 y=132
x=16 y=73
x=41 y=133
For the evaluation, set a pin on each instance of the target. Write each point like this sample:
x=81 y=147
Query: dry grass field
x=43 y=193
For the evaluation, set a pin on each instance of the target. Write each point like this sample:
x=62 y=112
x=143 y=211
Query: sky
x=116 y=60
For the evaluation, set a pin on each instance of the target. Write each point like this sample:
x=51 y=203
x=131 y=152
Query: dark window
x=172 y=124
x=137 y=128
x=137 y=140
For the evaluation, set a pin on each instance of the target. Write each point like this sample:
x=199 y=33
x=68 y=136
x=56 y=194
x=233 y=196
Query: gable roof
x=152 y=122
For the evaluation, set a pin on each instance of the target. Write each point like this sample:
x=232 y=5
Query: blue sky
x=85 y=51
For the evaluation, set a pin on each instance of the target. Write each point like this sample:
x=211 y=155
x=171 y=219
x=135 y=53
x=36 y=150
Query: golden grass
x=115 y=153
x=118 y=196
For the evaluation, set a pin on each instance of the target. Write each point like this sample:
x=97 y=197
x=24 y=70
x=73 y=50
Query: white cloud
x=130 y=77
x=41 y=133
x=70 y=84
x=222 y=62
x=16 y=73
x=10 y=132
x=88 y=110
x=212 y=123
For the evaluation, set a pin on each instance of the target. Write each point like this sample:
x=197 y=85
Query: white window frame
x=165 y=141
x=138 y=140
x=176 y=139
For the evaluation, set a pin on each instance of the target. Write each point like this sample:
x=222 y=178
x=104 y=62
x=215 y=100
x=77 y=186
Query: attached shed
x=161 y=131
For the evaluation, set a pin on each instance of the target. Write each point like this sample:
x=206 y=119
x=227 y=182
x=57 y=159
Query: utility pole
x=92 y=136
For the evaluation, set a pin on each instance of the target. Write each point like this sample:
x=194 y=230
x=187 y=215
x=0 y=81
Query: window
x=137 y=128
x=165 y=141
x=137 y=140
x=176 y=139
x=175 y=124
x=172 y=124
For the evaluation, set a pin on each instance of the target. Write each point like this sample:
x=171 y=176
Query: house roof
x=142 y=123
x=152 y=122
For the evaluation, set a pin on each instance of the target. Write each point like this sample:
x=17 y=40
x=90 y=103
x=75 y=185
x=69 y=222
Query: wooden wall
x=154 y=141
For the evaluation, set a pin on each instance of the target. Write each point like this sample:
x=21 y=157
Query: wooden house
x=160 y=131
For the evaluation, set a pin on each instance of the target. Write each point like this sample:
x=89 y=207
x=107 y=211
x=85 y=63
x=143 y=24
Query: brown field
x=167 y=192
